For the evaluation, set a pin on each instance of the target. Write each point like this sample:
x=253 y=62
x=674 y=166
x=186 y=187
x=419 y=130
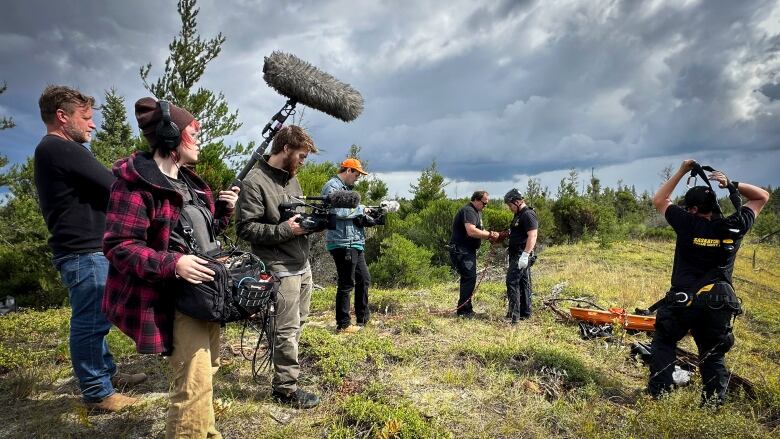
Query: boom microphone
x=336 y=199
x=348 y=199
x=302 y=83
x=298 y=80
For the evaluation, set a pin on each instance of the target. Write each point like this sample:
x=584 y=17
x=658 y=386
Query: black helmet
x=512 y=195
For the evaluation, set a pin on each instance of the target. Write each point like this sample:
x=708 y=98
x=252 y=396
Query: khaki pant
x=292 y=308
x=194 y=360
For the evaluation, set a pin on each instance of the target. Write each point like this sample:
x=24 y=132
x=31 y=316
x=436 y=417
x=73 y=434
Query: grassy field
x=416 y=371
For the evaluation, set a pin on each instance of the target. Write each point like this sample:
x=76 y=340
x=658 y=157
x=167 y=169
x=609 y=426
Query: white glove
x=523 y=261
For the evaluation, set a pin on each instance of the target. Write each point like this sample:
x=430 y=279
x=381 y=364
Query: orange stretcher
x=615 y=315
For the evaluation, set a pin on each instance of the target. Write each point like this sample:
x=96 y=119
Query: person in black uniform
x=522 y=240
x=701 y=299
x=467 y=235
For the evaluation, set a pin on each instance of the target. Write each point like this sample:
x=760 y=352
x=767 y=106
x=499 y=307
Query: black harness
x=714 y=289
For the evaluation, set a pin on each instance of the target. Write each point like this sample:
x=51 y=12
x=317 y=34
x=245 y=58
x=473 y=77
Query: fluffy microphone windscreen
x=347 y=199
x=296 y=79
x=390 y=205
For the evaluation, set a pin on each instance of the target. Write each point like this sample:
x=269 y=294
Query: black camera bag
x=240 y=289
x=241 y=286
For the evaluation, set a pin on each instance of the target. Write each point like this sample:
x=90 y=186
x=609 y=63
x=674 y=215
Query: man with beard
x=73 y=191
x=284 y=247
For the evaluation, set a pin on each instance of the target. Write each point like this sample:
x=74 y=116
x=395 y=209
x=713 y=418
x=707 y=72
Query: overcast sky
x=495 y=91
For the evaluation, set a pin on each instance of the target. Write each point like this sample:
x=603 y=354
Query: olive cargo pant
x=292 y=308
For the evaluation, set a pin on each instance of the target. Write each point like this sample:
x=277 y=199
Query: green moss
x=337 y=355
x=679 y=416
x=16 y=358
x=383 y=420
x=533 y=357
x=323 y=300
x=35 y=326
x=559 y=358
x=417 y=323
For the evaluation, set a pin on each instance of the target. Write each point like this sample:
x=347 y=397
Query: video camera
x=319 y=215
x=377 y=213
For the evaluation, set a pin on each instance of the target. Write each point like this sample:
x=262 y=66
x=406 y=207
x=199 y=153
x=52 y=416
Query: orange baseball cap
x=354 y=164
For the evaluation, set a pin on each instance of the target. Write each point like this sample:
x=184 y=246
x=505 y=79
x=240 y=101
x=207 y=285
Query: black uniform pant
x=518 y=289
x=352 y=273
x=465 y=263
x=712 y=332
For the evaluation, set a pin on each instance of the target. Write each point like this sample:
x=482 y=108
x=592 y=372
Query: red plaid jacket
x=143 y=209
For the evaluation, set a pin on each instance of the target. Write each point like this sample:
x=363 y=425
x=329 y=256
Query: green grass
x=416 y=371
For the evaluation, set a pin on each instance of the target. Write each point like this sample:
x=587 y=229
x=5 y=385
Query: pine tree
x=5 y=122
x=189 y=56
x=27 y=272
x=4 y=180
x=430 y=187
x=534 y=193
x=666 y=173
x=594 y=188
x=568 y=185
x=377 y=190
x=115 y=139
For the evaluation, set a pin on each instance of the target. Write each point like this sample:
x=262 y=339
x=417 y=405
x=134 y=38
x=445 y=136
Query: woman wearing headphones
x=152 y=191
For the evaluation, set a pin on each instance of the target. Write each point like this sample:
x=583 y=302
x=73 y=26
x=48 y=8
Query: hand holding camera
x=295 y=225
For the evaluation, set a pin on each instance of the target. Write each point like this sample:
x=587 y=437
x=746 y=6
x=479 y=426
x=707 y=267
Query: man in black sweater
x=73 y=191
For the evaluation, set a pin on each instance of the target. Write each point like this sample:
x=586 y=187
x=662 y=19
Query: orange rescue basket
x=615 y=315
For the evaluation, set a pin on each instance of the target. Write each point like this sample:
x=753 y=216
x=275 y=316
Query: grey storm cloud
x=607 y=85
x=490 y=90
x=772 y=91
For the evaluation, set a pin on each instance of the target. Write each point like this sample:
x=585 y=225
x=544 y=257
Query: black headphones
x=167 y=132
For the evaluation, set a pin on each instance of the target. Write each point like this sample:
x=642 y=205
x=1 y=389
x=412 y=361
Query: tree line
x=410 y=250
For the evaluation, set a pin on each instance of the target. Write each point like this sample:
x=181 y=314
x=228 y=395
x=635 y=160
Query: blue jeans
x=84 y=274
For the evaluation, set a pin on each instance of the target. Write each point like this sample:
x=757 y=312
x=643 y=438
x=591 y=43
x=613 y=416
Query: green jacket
x=257 y=218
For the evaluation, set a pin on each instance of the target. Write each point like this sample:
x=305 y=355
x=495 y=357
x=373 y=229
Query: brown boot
x=351 y=329
x=122 y=380
x=113 y=403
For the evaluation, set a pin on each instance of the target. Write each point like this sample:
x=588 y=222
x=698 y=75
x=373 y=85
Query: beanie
x=148 y=114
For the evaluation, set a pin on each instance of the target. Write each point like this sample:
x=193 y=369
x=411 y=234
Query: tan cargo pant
x=292 y=308
x=194 y=360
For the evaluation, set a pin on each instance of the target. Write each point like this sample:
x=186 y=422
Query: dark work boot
x=299 y=399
